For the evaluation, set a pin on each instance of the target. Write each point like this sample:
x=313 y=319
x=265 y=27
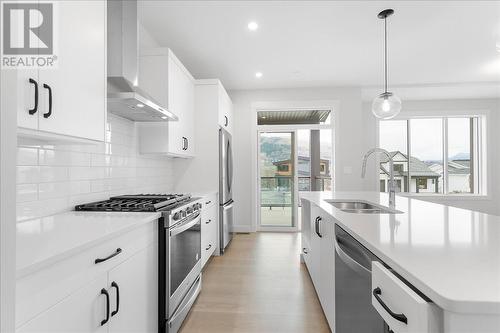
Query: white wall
x=350 y=142
x=489 y=204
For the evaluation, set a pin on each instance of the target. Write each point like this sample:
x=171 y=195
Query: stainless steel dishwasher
x=354 y=312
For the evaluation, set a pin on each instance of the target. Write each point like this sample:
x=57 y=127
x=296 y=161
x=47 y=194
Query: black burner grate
x=135 y=203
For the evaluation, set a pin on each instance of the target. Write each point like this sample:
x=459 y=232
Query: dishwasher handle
x=348 y=260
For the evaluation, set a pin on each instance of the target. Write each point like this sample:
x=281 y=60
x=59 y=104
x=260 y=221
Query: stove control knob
x=189 y=210
x=177 y=216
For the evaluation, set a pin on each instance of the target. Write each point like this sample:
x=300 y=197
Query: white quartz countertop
x=43 y=241
x=451 y=255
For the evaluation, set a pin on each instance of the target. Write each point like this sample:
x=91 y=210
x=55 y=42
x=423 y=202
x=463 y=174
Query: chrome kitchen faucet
x=392 y=183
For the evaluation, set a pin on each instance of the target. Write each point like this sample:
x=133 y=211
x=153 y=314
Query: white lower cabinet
x=402 y=309
x=119 y=294
x=80 y=312
x=209 y=228
x=319 y=257
x=137 y=281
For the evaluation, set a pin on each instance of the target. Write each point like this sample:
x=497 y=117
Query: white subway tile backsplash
x=52 y=174
x=27 y=156
x=27 y=174
x=53 y=178
x=63 y=158
x=27 y=192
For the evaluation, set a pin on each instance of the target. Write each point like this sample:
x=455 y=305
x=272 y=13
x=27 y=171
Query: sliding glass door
x=277 y=179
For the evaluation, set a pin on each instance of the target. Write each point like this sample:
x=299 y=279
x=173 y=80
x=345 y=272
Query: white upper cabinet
x=162 y=75
x=225 y=111
x=70 y=99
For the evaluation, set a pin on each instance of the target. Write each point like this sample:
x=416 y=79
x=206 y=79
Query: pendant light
x=386 y=105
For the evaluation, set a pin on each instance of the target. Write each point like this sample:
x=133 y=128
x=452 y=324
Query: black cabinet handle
x=208 y=248
x=48 y=114
x=304 y=249
x=316 y=226
x=227 y=121
x=117 y=252
x=115 y=285
x=398 y=316
x=35 y=107
x=105 y=293
x=208 y=202
x=184 y=143
x=208 y=221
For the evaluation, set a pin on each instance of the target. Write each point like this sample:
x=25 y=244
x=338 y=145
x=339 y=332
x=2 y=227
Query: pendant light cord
x=385 y=53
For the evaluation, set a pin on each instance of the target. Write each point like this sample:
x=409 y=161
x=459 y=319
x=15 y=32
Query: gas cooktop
x=137 y=203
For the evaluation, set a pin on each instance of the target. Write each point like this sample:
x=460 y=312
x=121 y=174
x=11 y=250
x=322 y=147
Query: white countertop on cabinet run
x=43 y=241
x=451 y=255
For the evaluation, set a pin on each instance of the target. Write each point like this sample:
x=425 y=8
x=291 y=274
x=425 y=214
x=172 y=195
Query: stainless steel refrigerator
x=225 y=189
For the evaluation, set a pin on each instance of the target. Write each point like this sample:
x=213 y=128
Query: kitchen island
x=450 y=255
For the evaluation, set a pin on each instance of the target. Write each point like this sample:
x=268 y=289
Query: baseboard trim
x=243 y=228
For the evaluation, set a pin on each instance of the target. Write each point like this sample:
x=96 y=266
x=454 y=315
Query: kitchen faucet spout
x=392 y=183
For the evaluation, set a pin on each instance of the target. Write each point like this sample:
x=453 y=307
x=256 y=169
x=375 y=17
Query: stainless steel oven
x=180 y=265
x=185 y=258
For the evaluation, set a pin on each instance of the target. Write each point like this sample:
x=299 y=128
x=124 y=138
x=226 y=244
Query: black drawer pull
x=115 y=285
x=398 y=316
x=305 y=250
x=208 y=248
x=48 y=114
x=208 y=202
x=208 y=221
x=117 y=252
x=35 y=107
x=226 y=121
x=105 y=293
x=316 y=226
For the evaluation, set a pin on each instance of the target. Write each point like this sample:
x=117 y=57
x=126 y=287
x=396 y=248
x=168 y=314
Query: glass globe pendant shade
x=386 y=106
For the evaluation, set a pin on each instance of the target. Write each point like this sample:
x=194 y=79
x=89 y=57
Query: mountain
x=460 y=156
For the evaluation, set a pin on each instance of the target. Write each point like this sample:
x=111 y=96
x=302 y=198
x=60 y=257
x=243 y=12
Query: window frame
x=478 y=150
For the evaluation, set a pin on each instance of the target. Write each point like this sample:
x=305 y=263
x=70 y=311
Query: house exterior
x=423 y=178
x=284 y=169
x=459 y=176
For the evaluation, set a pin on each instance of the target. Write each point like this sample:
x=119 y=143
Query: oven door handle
x=175 y=230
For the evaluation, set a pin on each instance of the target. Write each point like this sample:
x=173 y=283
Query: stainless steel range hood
x=124 y=97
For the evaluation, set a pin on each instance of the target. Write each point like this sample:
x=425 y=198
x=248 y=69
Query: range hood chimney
x=125 y=98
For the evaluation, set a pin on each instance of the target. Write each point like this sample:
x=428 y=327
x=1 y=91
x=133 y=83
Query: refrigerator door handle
x=228 y=205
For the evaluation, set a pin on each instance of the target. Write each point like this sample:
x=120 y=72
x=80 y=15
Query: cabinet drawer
x=42 y=289
x=209 y=232
x=306 y=253
x=411 y=313
x=210 y=200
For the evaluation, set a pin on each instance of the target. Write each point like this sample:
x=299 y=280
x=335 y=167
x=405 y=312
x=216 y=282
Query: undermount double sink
x=361 y=207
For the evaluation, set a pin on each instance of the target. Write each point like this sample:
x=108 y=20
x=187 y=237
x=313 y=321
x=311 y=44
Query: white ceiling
x=331 y=43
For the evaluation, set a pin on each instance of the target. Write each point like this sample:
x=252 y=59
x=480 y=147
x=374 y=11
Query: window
x=399 y=167
x=283 y=167
x=422 y=183
x=433 y=155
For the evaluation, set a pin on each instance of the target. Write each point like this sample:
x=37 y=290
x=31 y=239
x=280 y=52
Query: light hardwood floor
x=259 y=285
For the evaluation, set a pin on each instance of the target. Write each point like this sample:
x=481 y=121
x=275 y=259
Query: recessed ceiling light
x=258 y=75
x=140 y=105
x=252 y=26
x=263 y=117
x=164 y=117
